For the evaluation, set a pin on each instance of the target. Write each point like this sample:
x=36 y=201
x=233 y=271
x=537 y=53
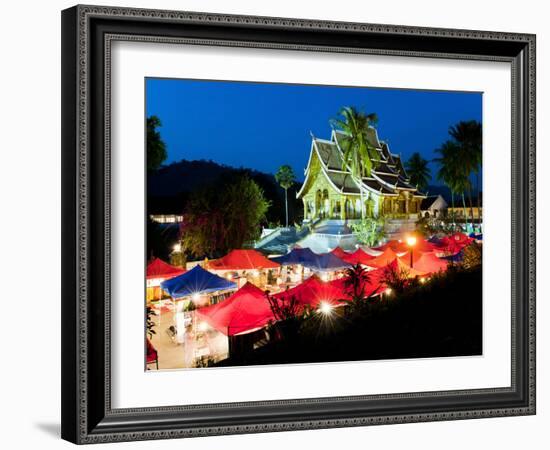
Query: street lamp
x=411 y=242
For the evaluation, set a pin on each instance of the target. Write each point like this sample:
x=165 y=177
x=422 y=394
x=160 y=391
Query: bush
x=369 y=231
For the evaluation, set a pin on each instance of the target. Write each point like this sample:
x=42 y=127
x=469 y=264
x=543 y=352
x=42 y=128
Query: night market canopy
x=425 y=262
x=358 y=257
x=327 y=262
x=397 y=265
x=394 y=245
x=303 y=256
x=371 y=284
x=245 y=311
x=386 y=257
x=157 y=268
x=196 y=281
x=454 y=243
x=338 y=252
x=312 y=292
x=243 y=260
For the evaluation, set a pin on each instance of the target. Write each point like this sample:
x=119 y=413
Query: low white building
x=433 y=206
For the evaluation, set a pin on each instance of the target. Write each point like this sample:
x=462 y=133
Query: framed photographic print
x=281 y=224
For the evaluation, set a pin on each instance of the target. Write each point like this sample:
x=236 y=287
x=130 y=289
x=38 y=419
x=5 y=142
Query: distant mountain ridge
x=169 y=188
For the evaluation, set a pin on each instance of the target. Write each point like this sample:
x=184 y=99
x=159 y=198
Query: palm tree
x=468 y=135
x=453 y=172
x=358 y=154
x=462 y=184
x=286 y=178
x=447 y=166
x=418 y=171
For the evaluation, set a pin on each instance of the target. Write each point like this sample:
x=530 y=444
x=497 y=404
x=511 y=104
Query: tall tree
x=223 y=217
x=418 y=171
x=453 y=172
x=447 y=167
x=468 y=135
x=156 y=148
x=358 y=154
x=286 y=178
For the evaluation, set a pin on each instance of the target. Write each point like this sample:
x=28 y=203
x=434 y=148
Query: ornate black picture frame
x=87 y=34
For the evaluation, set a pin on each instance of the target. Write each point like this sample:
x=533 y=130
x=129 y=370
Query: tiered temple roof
x=388 y=176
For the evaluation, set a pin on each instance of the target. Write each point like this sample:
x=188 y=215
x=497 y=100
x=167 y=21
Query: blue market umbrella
x=196 y=281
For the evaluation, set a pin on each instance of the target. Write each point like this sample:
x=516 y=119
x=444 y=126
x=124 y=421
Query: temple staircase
x=398 y=228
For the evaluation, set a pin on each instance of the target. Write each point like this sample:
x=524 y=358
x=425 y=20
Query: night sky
x=263 y=126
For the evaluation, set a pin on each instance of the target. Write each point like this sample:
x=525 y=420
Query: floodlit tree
x=222 y=217
x=156 y=148
x=286 y=178
x=472 y=256
x=358 y=154
x=369 y=231
x=418 y=171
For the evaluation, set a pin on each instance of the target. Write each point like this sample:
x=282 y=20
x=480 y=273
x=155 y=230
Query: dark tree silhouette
x=156 y=148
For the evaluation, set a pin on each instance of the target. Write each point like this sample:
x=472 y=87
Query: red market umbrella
x=386 y=257
x=245 y=311
x=359 y=257
x=312 y=292
x=157 y=268
x=425 y=262
x=340 y=253
x=243 y=260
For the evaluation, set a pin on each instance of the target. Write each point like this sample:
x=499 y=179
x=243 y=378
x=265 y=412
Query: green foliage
x=285 y=176
x=288 y=317
x=396 y=278
x=369 y=231
x=472 y=256
x=156 y=148
x=178 y=259
x=460 y=157
x=150 y=324
x=223 y=217
x=358 y=154
x=357 y=277
x=356 y=148
x=428 y=226
x=418 y=171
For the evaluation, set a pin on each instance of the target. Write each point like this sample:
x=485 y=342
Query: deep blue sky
x=263 y=126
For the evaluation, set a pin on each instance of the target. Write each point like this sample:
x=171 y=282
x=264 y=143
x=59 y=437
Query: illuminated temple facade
x=330 y=192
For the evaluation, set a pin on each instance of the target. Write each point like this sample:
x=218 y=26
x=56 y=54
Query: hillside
x=170 y=187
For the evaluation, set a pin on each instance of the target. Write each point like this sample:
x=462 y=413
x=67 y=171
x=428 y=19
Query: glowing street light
x=177 y=248
x=387 y=291
x=411 y=242
x=325 y=308
x=195 y=297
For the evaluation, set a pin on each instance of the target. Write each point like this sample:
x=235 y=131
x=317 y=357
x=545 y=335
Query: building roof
x=431 y=202
x=388 y=176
